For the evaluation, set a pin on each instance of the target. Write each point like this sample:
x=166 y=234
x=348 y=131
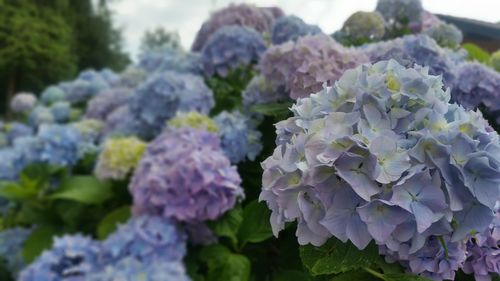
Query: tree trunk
x=11 y=89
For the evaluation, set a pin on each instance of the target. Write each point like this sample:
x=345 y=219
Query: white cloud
x=186 y=17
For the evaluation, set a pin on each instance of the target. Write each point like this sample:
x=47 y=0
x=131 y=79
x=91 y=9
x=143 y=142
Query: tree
x=159 y=38
x=35 y=47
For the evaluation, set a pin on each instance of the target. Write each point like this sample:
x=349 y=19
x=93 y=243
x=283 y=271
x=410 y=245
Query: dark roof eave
x=486 y=29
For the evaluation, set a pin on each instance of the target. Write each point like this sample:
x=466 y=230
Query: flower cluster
x=11 y=245
x=259 y=19
x=100 y=106
x=71 y=259
x=231 y=47
x=17 y=130
x=429 y=20
x=417 y=50
x=170 y=59
x=61 y=111
x=80 y=90
x=260 y=91
x=201 y=187
x=41 y=115
x=239 y=137
x=23 y=102
x=163 y=95
x=290 y=28
x=121 y=122
x=401 y=16
x=477 y=86
x=194 y=120
x=446 y=35
x=363 y=27
x=304 y=66
x=118 y=158
x=132 y=77
x=383 y=156
x=51 y=95
x=59 y=144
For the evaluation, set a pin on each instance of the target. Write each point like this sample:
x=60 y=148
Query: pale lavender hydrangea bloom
x=446 y=35
x=121 y=122
x=429 y=20
x=383 y=156
x=71 y=258
x=290 y=28
x=240 y=138
x=304 y=66
x=158 y=100
x=146 y=238
x=231 y=47
x=23 y=102
x=100 y=106
x=201 y=187
x=401 y=16
x=259 y=19
x=477 y=86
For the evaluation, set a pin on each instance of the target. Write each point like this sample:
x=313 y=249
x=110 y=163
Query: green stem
x=441 y=240
x=374 y=273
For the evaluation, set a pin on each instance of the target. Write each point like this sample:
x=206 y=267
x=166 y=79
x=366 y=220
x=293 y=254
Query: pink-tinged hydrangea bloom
x=23 y=102
x=185 y=175
x=383 y=156
x=251 y=16
x=304 y=66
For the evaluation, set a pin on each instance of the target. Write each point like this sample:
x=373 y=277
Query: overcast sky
x=186 y=16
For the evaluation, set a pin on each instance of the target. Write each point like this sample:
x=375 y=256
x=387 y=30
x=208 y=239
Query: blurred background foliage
x=46 y=41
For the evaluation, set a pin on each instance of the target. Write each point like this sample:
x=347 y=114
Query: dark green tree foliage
x=159 y=38
x=35 y=47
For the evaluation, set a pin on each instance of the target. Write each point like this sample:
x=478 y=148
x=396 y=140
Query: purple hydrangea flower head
x=170 y=59
x=61 y=144
x=304 y=66
x=16 y=130
x=260 y=91
x=71 y=258
x=477 y=85
x=146 y=238
x=240 y=138
x=413 y=50
x=23 y=102
x=201 y=187
x=290 y=28
x=41 y=115
x=132 y=269
x=121 y=122
x=100 y=106
x=259 y=19
x=61 y=111
x=401 y=16
x=363 y=27
x=231 y=47
x=446 y=35
x=382 y=155
x=11 y=246
x=51 y=95
x=163 y=95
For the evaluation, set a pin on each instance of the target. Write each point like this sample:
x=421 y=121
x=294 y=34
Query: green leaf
x=255 y=226
x=84 y=189
x=389 y=268
x=224 y=265
x=272 y=109
x=292 y=275
x=110 y=222
x=476 y=53
x=336 y=257
x=404 y=277
x=228 y=225
x=40 y=239
x=14 y=191
x=355 y=275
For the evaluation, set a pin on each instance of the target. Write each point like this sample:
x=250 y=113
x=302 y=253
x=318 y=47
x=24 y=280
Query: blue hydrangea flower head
x=290 y=28
x=231 y=47
x=382 y=155
x=82 y=90
x=16 y=130
x=132 y=77
x=61 y=111
x=240 y=138
x=51 y=95
x=61 y=144
x=100 y=106
x=146 y=238
x=170 y=59
x=71 y=258
x=11 y=246
x=259 y=19
x=201 y=187
x=401 y=16
x=12 y=163
x=157 y=100
x=41 y=115
x=132 y=269
x=446 y=35
x=23 y=102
